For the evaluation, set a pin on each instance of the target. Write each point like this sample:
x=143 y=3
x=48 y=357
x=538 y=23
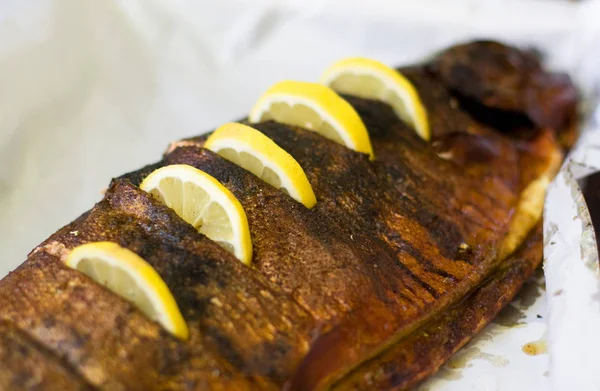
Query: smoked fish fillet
x=400 y=263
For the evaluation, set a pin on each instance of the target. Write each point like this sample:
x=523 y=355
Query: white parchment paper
x=90 y=89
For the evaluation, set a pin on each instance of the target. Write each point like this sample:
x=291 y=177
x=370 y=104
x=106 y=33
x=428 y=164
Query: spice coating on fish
x=402 y=260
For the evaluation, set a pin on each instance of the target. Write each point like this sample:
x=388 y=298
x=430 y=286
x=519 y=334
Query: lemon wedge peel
x=332 y=109
x=236 y=139
x=237 y=241
x=409 y=107
x=164 y=307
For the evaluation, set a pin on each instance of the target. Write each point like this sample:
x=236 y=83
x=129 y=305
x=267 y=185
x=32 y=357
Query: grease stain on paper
x=532 y=290
x=535 y=348
x=463 y=360
x=449 y=374
x=510 y=316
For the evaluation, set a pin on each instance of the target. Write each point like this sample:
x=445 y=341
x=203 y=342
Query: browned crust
x=394 y=249
x=244 y=333
x=427 y=349
x=26 y=365
x=505 y=78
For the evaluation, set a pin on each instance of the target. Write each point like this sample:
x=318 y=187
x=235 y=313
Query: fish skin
x=358 y=278
x=300 y=250
x=69 y=315
x=512 y=83
x=417 y=357
x=496 y=182
x=479 y=148
x=25 y=365
x=494 y=74
x=253 y=339
x=360 y=197
x=435 y=240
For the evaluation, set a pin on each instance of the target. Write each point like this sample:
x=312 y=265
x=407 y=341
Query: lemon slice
x=255 y=152
x=314 y=107
x=202 y=201
x=125 y=273
x=371 y=79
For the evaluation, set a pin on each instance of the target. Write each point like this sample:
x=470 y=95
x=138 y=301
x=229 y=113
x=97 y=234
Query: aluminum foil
x=572 y=270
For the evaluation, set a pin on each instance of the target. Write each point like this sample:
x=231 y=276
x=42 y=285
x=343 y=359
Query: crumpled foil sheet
x=572 y=270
